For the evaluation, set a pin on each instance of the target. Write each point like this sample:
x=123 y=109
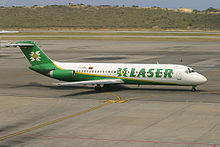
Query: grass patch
x=115 y=33
x=117 y=38
x=105 y=17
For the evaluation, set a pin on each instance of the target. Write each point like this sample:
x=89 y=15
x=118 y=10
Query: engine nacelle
x=64 y=75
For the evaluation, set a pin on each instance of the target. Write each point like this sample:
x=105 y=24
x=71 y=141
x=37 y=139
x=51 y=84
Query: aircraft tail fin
x=33 y=53
x=40 y=62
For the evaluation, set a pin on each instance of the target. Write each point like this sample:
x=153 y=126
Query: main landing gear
x=193 y=88
x=98 y=87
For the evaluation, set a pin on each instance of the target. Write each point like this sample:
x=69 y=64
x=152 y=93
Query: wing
x=92 y=82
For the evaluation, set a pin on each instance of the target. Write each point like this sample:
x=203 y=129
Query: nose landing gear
x=193 y=88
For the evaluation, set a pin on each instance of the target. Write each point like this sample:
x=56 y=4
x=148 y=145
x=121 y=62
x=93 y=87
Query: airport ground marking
x=52 y=122
x=212 y=73
x=118 y=100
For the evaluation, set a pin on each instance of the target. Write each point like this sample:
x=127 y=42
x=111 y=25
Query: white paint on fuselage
x=180 y=75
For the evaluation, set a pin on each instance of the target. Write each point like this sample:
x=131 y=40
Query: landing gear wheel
x=98 y=88
x=193 y=88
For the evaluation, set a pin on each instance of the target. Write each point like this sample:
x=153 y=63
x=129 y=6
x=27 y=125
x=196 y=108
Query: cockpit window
x=189 y=70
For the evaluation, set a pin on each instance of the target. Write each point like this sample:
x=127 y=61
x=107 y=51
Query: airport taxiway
x=36 y=113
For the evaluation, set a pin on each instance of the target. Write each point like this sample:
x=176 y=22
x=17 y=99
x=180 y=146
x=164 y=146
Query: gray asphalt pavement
x=34 y=112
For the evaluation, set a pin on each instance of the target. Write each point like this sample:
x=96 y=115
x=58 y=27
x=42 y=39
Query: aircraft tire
x=193 y=89
x=98 y=87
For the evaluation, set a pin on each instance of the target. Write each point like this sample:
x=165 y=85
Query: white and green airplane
x=109 y=73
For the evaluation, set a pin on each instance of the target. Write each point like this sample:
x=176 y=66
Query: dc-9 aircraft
x=104 y=74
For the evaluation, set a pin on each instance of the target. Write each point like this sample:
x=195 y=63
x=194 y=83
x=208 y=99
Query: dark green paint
x=168 y=72
x=119 y=72
x=159 y=73
x=132 y=72
x=150 y=73
x=142 y=73
x=125 y=72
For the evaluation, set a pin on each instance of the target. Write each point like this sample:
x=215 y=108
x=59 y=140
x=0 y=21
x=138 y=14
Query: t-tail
x=39 y=61
x=42 y=64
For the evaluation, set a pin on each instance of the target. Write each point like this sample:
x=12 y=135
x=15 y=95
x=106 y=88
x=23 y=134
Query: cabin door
x=73 y=72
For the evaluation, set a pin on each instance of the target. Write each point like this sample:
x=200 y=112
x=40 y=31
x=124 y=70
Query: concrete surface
x=153 y=116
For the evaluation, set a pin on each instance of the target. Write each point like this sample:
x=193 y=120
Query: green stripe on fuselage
x=79 y=76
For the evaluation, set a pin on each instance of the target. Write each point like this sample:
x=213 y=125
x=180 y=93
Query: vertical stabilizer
x=40 y=62
x=34 y=54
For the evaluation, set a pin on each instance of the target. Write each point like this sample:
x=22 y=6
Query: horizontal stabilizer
x=92 y=82
x=17 y=45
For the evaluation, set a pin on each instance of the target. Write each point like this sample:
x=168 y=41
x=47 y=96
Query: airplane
x=4 y=32
x=104 y=74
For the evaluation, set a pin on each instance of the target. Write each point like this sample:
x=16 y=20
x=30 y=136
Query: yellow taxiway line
x=67 y=117
x=119 y=100
x=52 y=122
x=212 y=73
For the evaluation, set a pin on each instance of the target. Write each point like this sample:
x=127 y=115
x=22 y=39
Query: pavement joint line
x=130 y=98
x=52 y=122
x=125 y=140
x=20 y=74
x=210 y=92
x=133 y=98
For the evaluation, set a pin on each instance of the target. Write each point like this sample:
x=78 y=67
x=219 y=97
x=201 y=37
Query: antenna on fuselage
x=158 y=62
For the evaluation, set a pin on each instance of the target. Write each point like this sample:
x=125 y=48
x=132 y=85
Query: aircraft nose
x=202 y=79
